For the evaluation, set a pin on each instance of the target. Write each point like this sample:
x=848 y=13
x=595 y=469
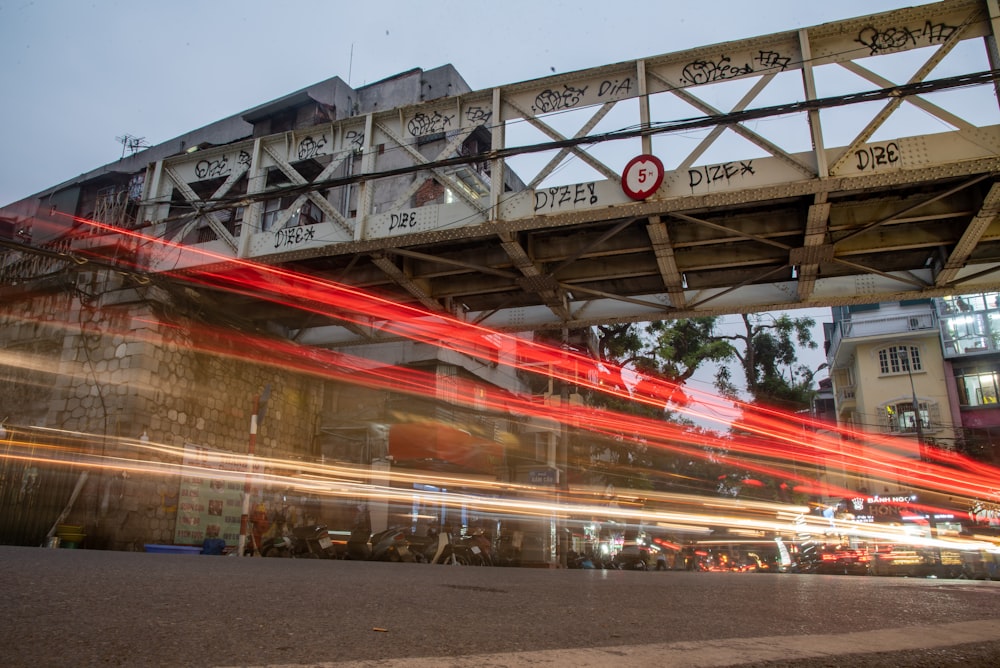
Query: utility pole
x=259 y=408
x=563 y=459
x=904 y=357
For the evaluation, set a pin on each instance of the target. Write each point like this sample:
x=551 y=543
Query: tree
x=767 y=351
x=673 y=351
x=670 y=351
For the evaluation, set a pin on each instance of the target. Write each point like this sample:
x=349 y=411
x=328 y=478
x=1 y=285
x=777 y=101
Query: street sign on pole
x=546 y=476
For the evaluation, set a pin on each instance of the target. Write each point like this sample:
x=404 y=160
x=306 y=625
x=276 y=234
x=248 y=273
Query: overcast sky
x=76 y=74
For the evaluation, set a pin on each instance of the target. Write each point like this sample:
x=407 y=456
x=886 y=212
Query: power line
x=656 y=128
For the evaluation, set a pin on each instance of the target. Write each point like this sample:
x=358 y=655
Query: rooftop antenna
x=131 y=143
x=350 y=65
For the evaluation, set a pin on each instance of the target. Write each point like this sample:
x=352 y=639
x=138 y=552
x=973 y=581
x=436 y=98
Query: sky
x=79 y=74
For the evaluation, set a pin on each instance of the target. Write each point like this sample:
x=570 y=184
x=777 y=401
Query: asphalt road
x=94 y=608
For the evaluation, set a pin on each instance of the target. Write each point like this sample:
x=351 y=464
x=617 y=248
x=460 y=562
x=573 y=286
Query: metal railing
x=875 y=327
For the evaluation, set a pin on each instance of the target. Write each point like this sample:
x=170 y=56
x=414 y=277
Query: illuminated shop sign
x=912 y=498
x=879 y=507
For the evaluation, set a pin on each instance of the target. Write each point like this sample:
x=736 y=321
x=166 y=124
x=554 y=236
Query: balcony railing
x=874 y=327
x=845 y=394
x=18 y=267
x=970 y=345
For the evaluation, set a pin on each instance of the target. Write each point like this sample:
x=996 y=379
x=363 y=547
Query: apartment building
x=938 y=355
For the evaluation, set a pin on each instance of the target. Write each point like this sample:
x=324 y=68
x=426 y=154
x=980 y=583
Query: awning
x=437 y=447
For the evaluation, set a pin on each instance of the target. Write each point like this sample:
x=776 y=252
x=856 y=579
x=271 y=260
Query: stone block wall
x=113 y=374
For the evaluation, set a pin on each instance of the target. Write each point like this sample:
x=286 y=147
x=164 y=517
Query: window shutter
x=933 y=415
x=883 y=419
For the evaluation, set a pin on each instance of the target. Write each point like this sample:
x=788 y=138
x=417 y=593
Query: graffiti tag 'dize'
x=726 y=171
x=873 y=157
x=565 y=196
x=402 y=221
x=291 y=236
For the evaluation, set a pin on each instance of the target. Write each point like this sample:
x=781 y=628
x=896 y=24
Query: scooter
x=390 y=545
x=399 y=544
x=474 y=550
x=359 y=544
x=311 y=541
x=431 y=548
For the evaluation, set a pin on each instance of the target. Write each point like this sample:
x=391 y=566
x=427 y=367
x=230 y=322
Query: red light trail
x=766 y=441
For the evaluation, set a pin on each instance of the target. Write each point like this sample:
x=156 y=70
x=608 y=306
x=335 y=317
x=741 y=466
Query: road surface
x=97 y=608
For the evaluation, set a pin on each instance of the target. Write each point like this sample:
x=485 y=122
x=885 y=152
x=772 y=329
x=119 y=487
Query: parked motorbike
x=359 y=544
x=311 y=541
x=443 y=549
x=474 y=550
x=401 y=544
x=393 y=544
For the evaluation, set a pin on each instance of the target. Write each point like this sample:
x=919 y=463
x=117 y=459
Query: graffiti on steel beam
x=880 y=40
x=210 y=169
x=569 y=97
x=402 y=222
x=207 y=168
x=707 y=71
x=478 y=115
x=554 y=100
x=311 y=147
x=291 y=236
x=726 y=172
x=562 y=198
x=614 y=87
x=423 y=124
x=873 y=156
x=355 y=139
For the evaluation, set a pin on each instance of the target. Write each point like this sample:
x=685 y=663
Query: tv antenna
x=131 y=143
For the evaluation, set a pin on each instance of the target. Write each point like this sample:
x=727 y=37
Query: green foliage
x=765 y=349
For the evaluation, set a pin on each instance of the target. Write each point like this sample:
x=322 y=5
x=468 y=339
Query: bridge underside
x=813 y=249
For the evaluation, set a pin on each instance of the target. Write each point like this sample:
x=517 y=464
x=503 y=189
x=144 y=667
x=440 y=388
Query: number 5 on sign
x=642 y=176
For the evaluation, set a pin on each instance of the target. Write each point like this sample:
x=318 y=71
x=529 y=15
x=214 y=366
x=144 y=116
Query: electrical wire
x=632 y=132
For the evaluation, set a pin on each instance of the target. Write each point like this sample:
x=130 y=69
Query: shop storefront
x=919 y=519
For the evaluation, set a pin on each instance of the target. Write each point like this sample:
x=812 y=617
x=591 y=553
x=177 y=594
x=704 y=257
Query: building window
x=272 y=209
x=307 y=214
x=277 y=209
x=898 y=417
x=977 y=386
x=966 y=333
x=899 y=359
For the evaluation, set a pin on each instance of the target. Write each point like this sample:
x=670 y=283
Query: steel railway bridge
x=851 y=162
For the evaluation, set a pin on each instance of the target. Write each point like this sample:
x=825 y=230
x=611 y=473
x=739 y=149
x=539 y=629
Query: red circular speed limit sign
x=642 y=176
